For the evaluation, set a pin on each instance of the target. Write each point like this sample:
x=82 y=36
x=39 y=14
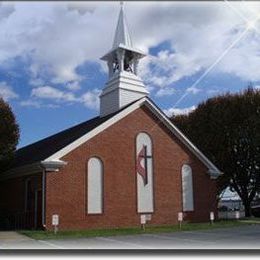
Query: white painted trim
x=33 y=168
x=213 y=170
x=187 y=188
x=95 y=131
x=132 y=88
x=128 y=86
x=145 y=192
x=52 y=165
x=140 y=53
x=95 y=181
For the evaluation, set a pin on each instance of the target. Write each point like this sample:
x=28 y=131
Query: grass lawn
x=43 y=235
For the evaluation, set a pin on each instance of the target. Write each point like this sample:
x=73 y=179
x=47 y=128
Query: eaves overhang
x=34 y=168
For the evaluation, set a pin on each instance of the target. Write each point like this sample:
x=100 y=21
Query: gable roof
x=46 y=147
x=53 y=148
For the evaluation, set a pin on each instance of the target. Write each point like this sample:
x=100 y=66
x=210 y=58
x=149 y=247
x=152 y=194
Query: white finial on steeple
x=122 y=35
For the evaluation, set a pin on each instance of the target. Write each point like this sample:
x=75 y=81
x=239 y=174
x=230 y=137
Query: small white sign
x=212 y=217
x=148 y=217
x=55 y=220
x=237 y=215
x=143 y=219
x=180 y=216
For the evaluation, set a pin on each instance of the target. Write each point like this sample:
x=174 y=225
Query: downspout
x=48 y=166
x=43 y=197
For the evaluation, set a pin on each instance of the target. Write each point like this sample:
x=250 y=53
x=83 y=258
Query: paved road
x=244 y=237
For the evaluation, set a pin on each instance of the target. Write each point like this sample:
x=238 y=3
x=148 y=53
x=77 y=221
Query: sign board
x=212 y=217
x=143 y=219
x=148 y=217
x=55 y=220
x=180 y=216
x=237 y=214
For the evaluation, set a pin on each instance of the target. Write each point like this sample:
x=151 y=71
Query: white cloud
x=73 y=85
x=165 y=92
x=36 y=82
x=30 y=103
x=6 y=91
x=193 y=90
x=59 y=37
x=47 y=92
x=214 y=91
x=82 y=8
x=37 y=104
x=179 y=111
x=199 y=33
x=91 y=99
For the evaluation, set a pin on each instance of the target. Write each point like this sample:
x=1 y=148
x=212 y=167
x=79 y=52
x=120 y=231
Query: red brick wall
x=66 y=189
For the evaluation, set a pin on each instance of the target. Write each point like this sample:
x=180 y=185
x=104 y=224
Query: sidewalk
x=12 y=235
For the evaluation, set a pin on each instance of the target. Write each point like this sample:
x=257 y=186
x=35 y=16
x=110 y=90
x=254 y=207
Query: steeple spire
x=122 y=35
x=123 y=86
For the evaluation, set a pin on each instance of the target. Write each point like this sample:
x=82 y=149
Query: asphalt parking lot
x=243 y=237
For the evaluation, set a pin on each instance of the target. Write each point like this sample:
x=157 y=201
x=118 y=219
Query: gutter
x=214 y=174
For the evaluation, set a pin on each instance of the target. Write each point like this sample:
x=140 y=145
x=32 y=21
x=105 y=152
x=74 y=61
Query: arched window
x=187 y=188
x=95 y=186
x=144 y=172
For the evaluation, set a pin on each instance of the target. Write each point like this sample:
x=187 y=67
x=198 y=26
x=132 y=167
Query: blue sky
x=51 y=74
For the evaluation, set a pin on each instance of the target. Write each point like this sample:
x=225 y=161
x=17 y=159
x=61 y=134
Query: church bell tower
x=123 y=85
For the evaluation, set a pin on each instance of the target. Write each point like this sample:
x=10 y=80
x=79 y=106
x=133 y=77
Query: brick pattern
x=66 y=189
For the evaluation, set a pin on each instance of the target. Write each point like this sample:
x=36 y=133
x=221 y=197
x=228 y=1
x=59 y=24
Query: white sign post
x=237 y=215
x=143 y=221
x=212 y=217
x=55 y=222
x=180 y=218
x=148 y=217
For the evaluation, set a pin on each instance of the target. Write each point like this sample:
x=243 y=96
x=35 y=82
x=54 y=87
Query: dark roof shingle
x=44 y=148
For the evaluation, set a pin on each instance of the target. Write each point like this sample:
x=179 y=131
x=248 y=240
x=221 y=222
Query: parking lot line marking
x=123 y=242
x=51 y=244
x=178 y=238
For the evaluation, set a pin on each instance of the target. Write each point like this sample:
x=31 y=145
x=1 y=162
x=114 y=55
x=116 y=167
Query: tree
x=227 y=130
x=9 y=135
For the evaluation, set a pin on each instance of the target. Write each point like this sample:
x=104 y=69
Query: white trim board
x=94 y=132
x=33 y=168
x=213 y=170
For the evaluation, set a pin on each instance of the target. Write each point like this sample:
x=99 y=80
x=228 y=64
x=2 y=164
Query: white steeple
x=123 y=86
x=122 y=34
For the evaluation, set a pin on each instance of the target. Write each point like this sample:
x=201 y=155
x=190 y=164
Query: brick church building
x=128 y=162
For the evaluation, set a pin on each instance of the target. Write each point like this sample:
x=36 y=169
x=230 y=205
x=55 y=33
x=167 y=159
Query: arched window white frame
x=95 y=186
x=187 y=188
x=144 y=173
